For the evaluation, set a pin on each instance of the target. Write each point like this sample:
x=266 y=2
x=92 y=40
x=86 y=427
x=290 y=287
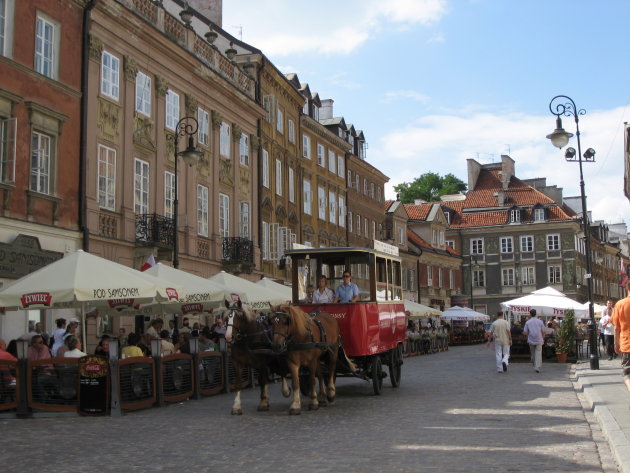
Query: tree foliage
x=429 y=187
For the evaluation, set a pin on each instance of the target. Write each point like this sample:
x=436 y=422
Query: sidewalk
x=607 y=395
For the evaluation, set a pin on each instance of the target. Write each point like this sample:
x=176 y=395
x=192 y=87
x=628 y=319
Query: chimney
x=474 y=168
x=500 y=198
x=507 y=169
x=326 y=110
x=211 y=9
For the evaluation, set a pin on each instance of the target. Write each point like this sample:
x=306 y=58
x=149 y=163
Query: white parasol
x=251 y=294
x=417 y=311
x=547 y=302
x=286 y=291
x=464 y=314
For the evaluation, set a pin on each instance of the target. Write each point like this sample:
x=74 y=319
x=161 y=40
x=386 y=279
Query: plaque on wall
x=23 y=256
x=93 y=385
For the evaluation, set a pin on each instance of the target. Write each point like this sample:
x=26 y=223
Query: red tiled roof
x=418 y=211
x=417 y=240
x=387 y=204
x=517 y=194
x=452 y=251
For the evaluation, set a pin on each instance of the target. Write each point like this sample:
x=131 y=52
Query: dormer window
x=515 y=215
x=362 y=149
x=448 y=217
x=315 y=112
x=539 y=214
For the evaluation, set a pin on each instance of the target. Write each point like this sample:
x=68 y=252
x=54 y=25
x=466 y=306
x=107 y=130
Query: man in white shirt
x=535 y=331
x=500 y=334
x=608 y=330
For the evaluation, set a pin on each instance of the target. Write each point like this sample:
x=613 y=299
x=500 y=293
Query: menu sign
x=93 y=385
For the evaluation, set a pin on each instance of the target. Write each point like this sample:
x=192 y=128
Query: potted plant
x=565 y=337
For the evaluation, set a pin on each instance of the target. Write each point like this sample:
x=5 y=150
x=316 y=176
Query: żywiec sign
x=23 y=256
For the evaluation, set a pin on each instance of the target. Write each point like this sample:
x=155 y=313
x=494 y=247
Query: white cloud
x=284 y=29
x=442 y=143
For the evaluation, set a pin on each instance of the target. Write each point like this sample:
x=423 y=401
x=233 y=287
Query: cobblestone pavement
x=452 y=413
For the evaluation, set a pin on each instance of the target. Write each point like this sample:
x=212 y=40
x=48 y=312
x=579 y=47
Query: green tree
x=429 y=186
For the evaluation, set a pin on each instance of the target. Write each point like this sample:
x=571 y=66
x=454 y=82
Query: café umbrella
x=547 y=302
x=201 y=295
x=251 y=294
x=274 y=286
x=465 y=314
x=83 y=278
x=417 y=311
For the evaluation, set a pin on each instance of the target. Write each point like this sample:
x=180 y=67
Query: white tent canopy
x=420 y=311
x=80 y=278
x=547 y=302
x=253 y=295
x=597 y=309
x=464 y=314
x=286 y=291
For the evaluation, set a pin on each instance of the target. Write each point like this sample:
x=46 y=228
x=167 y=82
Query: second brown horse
x=307 y=341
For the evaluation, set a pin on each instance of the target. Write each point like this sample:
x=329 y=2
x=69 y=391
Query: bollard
x=22 y=352
x=194 y=351
x=156 y=352
x=114 y=396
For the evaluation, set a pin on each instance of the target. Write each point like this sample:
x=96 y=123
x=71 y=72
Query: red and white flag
x=149 y=264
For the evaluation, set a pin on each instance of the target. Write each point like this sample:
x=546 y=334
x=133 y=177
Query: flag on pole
x=149 y=263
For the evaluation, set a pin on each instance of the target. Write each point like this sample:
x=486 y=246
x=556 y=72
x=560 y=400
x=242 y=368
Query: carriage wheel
x=305 y=381
x=394 y=367
x=377 y=374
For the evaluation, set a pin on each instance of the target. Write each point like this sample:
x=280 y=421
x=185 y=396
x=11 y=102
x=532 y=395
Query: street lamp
x=563 y=105
x=187 y=126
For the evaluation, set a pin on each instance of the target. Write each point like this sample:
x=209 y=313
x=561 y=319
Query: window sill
x=32 y=196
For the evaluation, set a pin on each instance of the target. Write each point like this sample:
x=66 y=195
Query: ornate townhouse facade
x=280 y=167
x=152 y=67
x=439 y=266
x=322 y=174
x=40 y=130
x=513 y=238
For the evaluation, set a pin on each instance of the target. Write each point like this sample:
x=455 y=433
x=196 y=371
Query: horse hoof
x=331 y=400
x=295 y=412
x=237 y=412
x=263 y=408
x=313 y=407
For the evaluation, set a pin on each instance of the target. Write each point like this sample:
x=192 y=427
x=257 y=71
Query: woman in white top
x=57 y=335
x=323 y=294
x=74 y=348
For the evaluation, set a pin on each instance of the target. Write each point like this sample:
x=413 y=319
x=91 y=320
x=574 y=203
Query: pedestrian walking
x=608 y=330
x=621 y=321
x=535 y=331
x=502 y=338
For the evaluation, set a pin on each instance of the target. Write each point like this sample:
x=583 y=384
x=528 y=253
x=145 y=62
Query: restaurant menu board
x=93 y=385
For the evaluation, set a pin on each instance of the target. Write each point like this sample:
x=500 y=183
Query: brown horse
x=307 y=342
x=249 y=338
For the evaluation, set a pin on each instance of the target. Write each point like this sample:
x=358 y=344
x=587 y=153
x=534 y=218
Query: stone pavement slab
x=609 y=399
x=452 y=413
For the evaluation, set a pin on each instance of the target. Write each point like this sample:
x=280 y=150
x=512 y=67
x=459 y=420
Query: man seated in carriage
x=347 y=290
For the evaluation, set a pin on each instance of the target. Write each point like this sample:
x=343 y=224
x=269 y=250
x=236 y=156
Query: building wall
x=36 y=105
x=176 y=59
x=280 y=141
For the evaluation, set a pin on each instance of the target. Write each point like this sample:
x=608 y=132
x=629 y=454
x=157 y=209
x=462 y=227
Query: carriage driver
x=347 y=290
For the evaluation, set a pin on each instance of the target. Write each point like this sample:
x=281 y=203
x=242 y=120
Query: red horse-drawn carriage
x=372 y=328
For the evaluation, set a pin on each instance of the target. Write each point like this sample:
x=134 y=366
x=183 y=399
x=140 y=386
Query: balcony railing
x=238 y=250
x=154 y=229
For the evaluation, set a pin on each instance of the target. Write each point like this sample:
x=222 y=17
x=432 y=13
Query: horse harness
x=254 y=342
x=321 y=345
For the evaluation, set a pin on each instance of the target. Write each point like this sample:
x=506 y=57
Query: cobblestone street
x=452 y=413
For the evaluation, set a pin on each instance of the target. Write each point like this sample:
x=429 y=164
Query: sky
x=433 y=83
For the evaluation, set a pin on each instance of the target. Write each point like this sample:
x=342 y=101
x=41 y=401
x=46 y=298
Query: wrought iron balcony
x=154 y=229
x=238 y=250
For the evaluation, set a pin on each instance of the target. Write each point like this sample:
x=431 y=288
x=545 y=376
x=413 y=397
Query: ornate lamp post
x=187 y=126
x=563 y=105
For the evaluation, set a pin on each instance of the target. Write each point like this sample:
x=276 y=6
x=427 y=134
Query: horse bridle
x=237 y=335
x=287 y=338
